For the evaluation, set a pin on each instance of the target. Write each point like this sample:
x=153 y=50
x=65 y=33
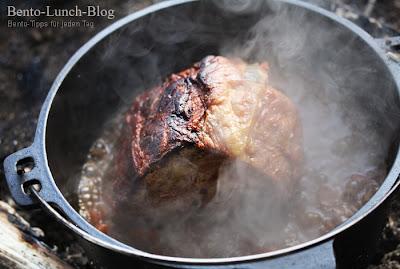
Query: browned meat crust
x=204 y=139
x=220 y=109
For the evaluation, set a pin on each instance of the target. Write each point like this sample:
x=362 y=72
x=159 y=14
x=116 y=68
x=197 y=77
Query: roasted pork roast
x=181 y=132
x=178 y=137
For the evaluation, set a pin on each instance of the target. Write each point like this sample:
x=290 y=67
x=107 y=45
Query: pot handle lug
x=31 y=185
x=22 y=169
x=391 y=47
x=25 y=169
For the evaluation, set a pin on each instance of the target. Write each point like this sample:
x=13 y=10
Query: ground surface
x=31 y=58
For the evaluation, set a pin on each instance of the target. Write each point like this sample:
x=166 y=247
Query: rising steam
x=327 y=74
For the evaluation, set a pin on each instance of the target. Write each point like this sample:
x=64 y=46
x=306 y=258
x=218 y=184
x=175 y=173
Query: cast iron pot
x=167 y=37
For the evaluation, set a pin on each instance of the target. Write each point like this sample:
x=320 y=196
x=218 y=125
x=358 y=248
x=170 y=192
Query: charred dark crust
x=166 y=118
x=201 y=107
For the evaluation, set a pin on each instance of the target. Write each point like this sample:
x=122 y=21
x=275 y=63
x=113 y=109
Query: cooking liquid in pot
x=243 y=218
